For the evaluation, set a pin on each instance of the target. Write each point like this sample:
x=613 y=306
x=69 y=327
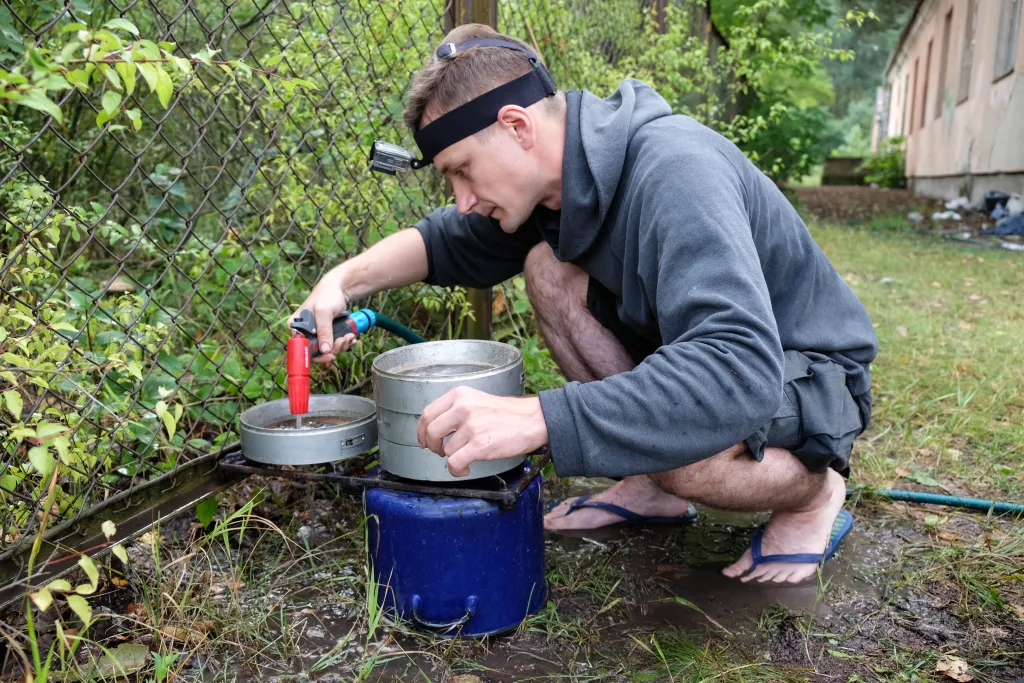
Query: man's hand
x=327 y=301
x=482 y=427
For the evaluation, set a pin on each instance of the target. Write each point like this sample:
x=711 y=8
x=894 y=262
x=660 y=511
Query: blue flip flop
x=841 y=527
x=629 y=516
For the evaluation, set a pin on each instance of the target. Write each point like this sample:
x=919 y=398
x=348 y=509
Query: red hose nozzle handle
x=298 y=375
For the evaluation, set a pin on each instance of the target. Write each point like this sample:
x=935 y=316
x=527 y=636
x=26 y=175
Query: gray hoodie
x=706 y=258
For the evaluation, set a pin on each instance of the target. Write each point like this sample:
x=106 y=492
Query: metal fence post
x=474 y=12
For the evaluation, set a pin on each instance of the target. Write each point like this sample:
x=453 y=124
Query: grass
x=948 y=381
x=254 y=594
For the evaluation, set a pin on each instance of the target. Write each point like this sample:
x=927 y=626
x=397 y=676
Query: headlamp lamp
x=469 y=118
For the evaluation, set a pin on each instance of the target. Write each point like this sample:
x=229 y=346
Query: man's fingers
x=324 y=331
x=459 y=461
x=443 y=425
x=343 y=344
x=459 y=438
x=429 y=414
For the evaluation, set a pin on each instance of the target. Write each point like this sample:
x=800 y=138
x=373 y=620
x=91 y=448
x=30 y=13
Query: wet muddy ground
x=640 y=603
x=278 y=592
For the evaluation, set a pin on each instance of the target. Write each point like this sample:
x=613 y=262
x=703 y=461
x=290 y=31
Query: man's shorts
x=818 y=419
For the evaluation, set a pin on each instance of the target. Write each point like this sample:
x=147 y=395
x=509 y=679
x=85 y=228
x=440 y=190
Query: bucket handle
x=417 y=602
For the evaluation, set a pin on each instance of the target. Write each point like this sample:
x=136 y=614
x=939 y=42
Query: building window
x=947 y=26
x=1006 y=43
x=927 y=73
x=967 y=60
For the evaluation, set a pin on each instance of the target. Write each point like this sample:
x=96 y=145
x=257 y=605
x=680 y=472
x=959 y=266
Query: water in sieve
x=440 y=369
x=309 y=422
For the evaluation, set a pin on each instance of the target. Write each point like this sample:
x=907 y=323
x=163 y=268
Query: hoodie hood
x=597 y=134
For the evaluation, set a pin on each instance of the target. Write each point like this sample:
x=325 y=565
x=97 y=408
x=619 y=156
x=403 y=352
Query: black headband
x=475 y=115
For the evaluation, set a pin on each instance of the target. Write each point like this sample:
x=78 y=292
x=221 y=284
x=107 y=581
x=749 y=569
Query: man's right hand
x=396 y=261
x=327 y=301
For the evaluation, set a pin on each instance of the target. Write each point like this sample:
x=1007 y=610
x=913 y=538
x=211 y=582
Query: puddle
x=687 y=561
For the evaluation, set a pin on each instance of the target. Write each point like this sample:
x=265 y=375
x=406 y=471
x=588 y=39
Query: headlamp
x=388 y=158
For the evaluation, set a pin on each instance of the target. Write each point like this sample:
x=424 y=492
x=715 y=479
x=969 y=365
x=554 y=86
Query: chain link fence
x=147 y=276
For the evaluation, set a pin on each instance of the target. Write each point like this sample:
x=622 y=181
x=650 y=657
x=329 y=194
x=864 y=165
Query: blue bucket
x=458 y=566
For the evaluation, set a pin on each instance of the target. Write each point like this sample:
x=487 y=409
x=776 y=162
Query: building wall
x=968 y=146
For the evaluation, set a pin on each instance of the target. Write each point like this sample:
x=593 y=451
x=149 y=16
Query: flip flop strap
x=584 y=502
x=839 y=528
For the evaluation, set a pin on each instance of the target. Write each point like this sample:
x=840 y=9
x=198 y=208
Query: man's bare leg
x=804 y=505
x=586 y=351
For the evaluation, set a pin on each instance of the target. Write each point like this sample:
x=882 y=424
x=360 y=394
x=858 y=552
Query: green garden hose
x=981 y=504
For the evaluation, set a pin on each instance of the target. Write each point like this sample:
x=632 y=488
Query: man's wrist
x=538 y=431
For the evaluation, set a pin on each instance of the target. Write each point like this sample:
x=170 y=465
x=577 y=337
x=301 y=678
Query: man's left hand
x=482 y=427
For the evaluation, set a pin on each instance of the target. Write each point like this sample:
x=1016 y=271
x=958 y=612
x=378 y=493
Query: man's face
x=492 y=175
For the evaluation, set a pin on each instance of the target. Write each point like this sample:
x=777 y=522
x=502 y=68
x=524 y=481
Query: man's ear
x=517 y=121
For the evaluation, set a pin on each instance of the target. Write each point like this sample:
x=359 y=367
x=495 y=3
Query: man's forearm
x=395 y=261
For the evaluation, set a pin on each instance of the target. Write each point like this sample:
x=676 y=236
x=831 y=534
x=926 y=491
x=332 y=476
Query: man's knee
x=550 y=284
x=709 y=469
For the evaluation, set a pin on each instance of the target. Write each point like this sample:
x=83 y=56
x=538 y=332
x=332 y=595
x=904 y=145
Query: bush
x=887 y=168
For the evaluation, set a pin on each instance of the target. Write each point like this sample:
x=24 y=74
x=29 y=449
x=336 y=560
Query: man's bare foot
x=637 y=494
x=799 y=531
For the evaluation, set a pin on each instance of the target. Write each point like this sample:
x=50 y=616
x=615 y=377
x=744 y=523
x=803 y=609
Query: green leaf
x=110 y=74
x=122 y=24
x=184 y=66
x=41 y=459
x=170 y=423
x=923 y=479
x=108 y=528
x=42 y=599
x=148 y=72
x=120 y=553
x=55 y=82
x=164 y=87
x=205 y=55
x=78 y=78
x=59 y=585
x=12 y=399
x=89 y=567
x=62 y=446
x=206 y=510
x=242 y=69
x=127 y=72
x=74 y=26
x=47 y=429
x=136 y=118
x=38 y=61
x=36 y=99
x=103 y=116
x=111 y=101
x=80 y=606
x=134 y=369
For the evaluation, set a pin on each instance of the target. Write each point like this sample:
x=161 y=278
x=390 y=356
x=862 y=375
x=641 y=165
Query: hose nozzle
x=298 y=375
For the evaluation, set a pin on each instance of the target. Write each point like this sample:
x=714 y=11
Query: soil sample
x=309 y=422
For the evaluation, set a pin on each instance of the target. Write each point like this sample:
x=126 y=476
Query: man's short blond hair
x=441 y=86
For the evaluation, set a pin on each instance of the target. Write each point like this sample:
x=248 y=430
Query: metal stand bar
x=506 y=495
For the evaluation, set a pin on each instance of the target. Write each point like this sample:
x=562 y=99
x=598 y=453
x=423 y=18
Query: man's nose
x=465 y=200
